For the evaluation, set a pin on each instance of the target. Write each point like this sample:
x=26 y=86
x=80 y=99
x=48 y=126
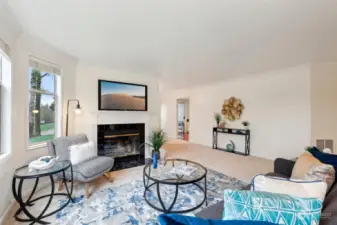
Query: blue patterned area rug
x=125 y=204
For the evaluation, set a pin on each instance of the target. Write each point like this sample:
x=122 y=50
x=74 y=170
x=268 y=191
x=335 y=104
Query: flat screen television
x=118 y=96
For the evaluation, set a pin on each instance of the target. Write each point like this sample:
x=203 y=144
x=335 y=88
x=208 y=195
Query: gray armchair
x=86 y=171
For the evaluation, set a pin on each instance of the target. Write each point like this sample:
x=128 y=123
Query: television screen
x=121 y=96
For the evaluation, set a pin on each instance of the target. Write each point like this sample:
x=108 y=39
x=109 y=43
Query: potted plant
x=217 y=117
x=156 y=141
x=245 y=124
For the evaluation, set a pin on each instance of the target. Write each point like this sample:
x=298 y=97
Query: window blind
x=44 y=65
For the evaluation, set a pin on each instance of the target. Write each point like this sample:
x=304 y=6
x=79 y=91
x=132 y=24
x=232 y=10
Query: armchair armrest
x=283 y=166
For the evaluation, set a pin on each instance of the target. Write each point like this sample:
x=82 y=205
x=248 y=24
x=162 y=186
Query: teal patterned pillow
x=271 y=207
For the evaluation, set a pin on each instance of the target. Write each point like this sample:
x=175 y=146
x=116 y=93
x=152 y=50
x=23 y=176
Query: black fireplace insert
x=123 y=142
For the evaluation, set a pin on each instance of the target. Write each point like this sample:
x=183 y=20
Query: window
x=0 y=96
x=44 y=95
x=5 y=98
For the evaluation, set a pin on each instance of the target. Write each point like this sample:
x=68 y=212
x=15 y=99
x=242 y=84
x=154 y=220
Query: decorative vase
x=230 y=146
x=155 y=152
x=155 y=161
x=222 y=125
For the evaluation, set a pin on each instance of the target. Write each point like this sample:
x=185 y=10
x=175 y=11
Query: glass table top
x=175 y=171
x=25 y=172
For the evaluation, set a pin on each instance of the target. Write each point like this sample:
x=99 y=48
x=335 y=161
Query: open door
x=183 y=118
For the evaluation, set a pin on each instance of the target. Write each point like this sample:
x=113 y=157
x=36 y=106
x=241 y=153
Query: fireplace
x=123 y=142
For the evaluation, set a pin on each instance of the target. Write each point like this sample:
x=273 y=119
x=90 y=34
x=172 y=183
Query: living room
x=270 y=64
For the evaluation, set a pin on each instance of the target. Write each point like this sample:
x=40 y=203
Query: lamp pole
x=78 y=107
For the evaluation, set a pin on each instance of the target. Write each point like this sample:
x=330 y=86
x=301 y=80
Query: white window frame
x=57 y=99
x=1 y=105
x=6 y=103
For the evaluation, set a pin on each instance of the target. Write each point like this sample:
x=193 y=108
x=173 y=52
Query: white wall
x=324 y=102
x=22 y=47
x=87 y=93
x=277 y=104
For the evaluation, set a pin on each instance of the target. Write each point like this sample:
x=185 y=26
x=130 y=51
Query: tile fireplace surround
x=122 y=142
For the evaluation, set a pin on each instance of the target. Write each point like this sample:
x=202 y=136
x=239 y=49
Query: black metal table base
x=30 y=202
x=180 y=182
x=169 y=209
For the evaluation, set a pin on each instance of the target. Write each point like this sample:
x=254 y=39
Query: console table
x=232 y=131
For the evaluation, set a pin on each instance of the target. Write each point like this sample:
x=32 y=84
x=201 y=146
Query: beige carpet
x=240 y=167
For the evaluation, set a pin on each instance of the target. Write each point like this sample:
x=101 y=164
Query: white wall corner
x=6 y=215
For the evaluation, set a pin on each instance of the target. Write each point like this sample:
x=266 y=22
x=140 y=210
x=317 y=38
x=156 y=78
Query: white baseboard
x=6 y=215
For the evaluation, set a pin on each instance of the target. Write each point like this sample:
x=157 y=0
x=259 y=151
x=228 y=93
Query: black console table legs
x=231 y=131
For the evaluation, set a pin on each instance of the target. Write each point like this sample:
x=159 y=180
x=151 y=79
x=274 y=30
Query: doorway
x=183 y=118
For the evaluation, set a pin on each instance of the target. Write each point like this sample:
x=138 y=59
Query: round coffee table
x=23 y=173
x=167 y=174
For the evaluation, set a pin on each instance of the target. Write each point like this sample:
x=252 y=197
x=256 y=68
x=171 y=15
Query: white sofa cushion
x=298 y=188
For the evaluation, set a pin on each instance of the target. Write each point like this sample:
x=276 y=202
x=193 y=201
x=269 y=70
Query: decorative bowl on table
x=42 y=163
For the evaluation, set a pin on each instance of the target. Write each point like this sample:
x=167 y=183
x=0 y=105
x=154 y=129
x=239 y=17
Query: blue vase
x=155 y=161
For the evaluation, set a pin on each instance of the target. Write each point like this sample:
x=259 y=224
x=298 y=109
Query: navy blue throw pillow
x=324 y=157
x=175 y=219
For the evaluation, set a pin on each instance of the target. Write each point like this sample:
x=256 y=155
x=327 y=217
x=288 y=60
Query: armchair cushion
x=92 y=168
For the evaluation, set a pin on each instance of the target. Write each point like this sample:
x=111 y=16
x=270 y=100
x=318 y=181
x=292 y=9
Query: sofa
x=283 y=168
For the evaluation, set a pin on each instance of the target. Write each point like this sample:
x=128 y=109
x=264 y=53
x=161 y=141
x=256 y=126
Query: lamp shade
x=78 y=109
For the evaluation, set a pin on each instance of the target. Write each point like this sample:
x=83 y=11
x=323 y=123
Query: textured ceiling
x=186 y=42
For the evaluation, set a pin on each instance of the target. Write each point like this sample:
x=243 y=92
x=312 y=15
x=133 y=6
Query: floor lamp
x=77 y=111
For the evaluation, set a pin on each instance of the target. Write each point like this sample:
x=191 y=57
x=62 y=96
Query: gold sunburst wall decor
x=232 y=109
